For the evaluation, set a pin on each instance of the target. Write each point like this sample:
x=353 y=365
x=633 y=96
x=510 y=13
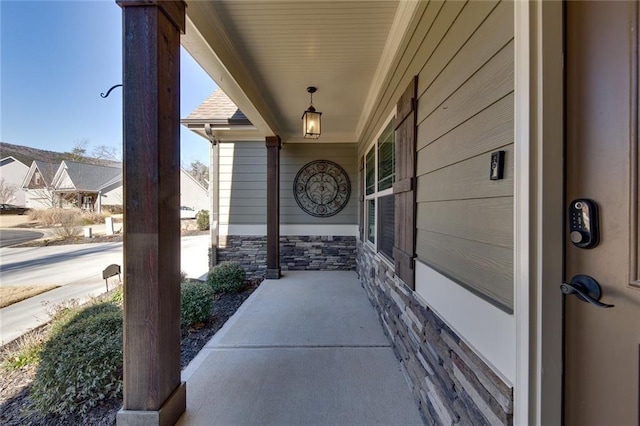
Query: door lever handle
x=586 y=289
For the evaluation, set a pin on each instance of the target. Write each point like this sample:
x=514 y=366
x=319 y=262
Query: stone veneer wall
x=297 y=253
x=449 y=382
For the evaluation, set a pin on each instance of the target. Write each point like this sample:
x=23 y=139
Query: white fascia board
x=29 y=175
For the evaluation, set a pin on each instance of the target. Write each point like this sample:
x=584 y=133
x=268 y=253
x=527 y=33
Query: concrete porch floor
x=307 y=349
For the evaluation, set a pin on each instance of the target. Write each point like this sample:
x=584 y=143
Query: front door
x=602 y=358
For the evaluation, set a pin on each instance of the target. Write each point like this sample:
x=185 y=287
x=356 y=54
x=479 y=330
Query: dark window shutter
x=404 y=189
x=386 y=225
x=361 y=199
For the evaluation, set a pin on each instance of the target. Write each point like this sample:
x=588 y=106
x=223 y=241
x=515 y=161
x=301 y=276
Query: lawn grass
x=14 y=294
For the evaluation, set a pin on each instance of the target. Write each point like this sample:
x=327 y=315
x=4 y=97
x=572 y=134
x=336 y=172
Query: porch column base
x=273 y=274
x=213 y=256
x=167 y=415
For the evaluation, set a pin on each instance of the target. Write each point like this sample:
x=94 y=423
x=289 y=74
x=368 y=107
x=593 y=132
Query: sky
x=56 y=57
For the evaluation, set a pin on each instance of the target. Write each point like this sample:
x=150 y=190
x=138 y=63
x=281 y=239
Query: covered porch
x=305 y=349
x=423 y=94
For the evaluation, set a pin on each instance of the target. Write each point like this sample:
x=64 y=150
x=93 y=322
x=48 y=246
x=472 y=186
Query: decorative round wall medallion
x=322 y=188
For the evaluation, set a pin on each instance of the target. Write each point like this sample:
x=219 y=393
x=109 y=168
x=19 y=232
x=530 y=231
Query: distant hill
x=26 y=155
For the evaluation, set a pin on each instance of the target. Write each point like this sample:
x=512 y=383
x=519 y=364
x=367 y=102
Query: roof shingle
x=218 y=106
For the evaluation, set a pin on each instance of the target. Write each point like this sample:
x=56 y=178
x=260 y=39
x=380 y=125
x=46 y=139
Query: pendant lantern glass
x=311 y=119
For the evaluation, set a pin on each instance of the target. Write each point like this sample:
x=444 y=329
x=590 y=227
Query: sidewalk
x=78 y=270
x=307 y=349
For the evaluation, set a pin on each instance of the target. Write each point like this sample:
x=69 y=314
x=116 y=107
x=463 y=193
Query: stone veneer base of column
x=273 y=274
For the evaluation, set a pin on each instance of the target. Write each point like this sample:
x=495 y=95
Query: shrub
x=23 y=351
x=25 y=356
x=195 y=303
x=227 y=277
x=114 y=209
x=202 y=220
x=35 y=215
x=68 y=231
x=61 y=313
x=81 y=364
x=90 y=218
x=117 y=295
x=51 y=217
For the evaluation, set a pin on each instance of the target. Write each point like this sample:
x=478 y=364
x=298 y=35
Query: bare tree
x=104 y=152
x=7 y=191
x=79 y=151
x=200 y=172
x=45 y=198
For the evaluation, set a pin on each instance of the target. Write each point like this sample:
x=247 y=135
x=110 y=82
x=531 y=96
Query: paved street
x=9 y=237
x=77 y=269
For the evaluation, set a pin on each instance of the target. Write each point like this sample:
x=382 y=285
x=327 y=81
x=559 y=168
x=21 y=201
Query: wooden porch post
x=273 y=144
x=153 y=392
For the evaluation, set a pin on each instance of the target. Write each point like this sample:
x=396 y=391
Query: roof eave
x=229 y=75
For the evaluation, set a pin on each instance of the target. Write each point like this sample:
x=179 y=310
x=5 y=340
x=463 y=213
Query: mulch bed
x=14 y=385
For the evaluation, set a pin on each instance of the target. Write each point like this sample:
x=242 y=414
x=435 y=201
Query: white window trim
x=376 y=194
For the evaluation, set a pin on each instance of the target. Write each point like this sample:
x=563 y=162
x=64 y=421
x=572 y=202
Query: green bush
x=22 y=352
x=117 y=295
x=227 y=277
x=195 y=303
x=81 y=363
x=202 y=220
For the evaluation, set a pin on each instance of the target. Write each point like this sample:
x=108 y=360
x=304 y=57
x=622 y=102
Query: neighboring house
x=92 y=187
x=13 y=172
x=192 y=193
x=37 y=184
x=478 y=138
x=68 y=184
x=88 y=186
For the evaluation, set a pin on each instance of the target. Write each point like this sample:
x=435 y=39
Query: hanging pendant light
x=311 y=119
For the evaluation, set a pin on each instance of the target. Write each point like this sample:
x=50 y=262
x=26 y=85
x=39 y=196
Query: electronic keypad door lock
x=584 y=229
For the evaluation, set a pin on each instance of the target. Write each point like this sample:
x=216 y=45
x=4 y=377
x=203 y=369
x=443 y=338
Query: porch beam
x=273 y=144
x=153 y=392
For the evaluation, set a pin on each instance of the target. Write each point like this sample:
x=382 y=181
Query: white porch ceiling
x=264 y=54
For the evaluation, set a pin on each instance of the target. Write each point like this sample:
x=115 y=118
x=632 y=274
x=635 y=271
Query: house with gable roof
x=91 y=187
x=13 y=172
x=88 y=186
x=70 y=184
x=38 y=185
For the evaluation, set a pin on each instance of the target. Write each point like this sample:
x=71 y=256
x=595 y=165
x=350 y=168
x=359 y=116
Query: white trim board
x=336 y=230
x=490 y=331
x=538 y=207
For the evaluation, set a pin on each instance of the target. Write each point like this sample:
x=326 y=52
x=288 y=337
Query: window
x=380 y=172
x=371 y=171
x=371 y=221
x=386 y=159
